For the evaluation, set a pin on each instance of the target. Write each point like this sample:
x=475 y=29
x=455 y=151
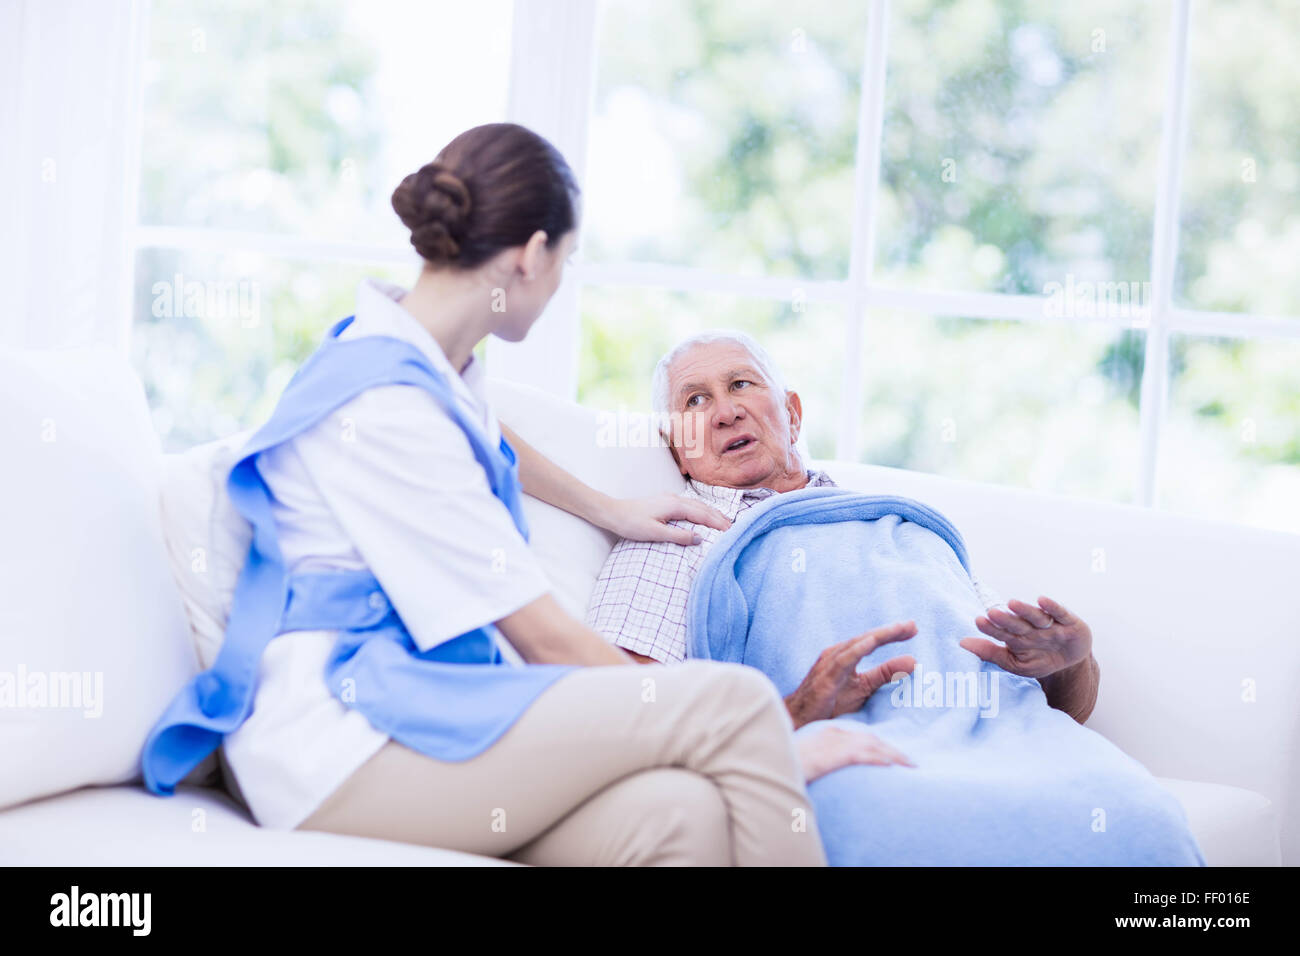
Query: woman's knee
x=680 y=820
x=736 y=681
x=741 y=695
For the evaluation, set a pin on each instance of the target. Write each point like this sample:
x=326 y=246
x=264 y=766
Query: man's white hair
x=659 y=396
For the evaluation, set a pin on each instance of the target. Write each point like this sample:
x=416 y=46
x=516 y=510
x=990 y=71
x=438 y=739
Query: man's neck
x=787 y=482
x=779 y=484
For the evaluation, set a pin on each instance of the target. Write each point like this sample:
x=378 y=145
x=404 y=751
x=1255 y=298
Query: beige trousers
x=639 y=765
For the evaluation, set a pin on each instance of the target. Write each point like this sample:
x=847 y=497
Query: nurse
x=395 y=665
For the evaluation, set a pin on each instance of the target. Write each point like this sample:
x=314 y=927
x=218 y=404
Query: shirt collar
x=732 y=501
x=378 y=313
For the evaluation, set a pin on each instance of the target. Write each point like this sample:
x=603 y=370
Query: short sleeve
x=401 y=478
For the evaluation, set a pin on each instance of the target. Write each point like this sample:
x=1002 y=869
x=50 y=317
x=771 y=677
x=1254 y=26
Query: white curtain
x=67 y=112
x=552 y=61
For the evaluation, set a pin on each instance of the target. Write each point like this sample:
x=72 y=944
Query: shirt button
x=377 y=600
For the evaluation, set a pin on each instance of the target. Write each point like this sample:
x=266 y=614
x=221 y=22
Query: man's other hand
x=834 y=686
x=1039 y=640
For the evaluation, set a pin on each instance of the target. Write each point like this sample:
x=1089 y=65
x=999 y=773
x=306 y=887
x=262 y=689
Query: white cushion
x=85 y=578
x=587 y=444
x=1234 y=827
x=207 y=539
x=199 y=826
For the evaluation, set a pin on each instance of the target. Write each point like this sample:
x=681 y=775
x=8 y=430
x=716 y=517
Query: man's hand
x=1039 y=640
x=833 y=746
x=834 y=686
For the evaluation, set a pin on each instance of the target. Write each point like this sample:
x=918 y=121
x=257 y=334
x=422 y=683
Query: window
x=722 y=136
x=1044 y=244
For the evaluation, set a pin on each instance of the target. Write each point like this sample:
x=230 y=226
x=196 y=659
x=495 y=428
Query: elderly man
x=734 y=429
x=736 y=432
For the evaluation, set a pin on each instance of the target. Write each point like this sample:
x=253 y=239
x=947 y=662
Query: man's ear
x=794 y=407
x=677 y=458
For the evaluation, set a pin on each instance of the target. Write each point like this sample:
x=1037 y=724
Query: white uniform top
x=387 y=482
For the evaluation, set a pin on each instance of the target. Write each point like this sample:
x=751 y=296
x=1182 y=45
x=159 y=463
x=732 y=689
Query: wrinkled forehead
x=709 y=362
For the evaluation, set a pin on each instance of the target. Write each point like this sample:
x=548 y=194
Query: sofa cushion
x=90 y=606
x=198 y=826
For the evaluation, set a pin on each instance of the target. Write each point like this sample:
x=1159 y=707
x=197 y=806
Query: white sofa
x=1194 y=623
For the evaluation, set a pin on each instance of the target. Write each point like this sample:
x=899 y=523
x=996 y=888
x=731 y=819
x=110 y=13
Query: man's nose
x=727 y=411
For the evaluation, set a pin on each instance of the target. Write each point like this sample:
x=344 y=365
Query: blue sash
x=450 y=702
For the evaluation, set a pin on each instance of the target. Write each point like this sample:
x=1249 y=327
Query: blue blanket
x=1000 y=778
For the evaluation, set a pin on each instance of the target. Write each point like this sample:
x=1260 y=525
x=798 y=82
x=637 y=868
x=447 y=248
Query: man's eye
x=691 y=403
x=741 y=381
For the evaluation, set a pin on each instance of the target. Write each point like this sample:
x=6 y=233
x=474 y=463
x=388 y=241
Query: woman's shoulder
x=402 y=417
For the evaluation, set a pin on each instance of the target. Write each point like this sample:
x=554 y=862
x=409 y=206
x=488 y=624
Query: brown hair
x=489 y=189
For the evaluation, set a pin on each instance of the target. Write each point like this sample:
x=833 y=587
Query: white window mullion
x=1234 y=324
x=277 y=245
x=866 y=180
x=688 y=279
x=1164 y=256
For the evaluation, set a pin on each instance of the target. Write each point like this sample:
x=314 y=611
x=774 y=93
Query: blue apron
x=451 y=702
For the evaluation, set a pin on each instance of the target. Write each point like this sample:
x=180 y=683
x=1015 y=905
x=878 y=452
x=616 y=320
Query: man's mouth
x=738 y=444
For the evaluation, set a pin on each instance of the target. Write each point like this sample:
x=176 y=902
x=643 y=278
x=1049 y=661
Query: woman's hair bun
x=491 y=188
x=434 y=203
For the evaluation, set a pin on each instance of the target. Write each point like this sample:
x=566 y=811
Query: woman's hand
x=825 y=747
x=646 y=519
x=640 y=519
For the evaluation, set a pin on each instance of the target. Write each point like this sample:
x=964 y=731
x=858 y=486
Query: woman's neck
x=454 y=308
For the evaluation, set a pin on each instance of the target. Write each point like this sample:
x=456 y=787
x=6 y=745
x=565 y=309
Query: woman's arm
x=543 y=633
x=640 y=519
